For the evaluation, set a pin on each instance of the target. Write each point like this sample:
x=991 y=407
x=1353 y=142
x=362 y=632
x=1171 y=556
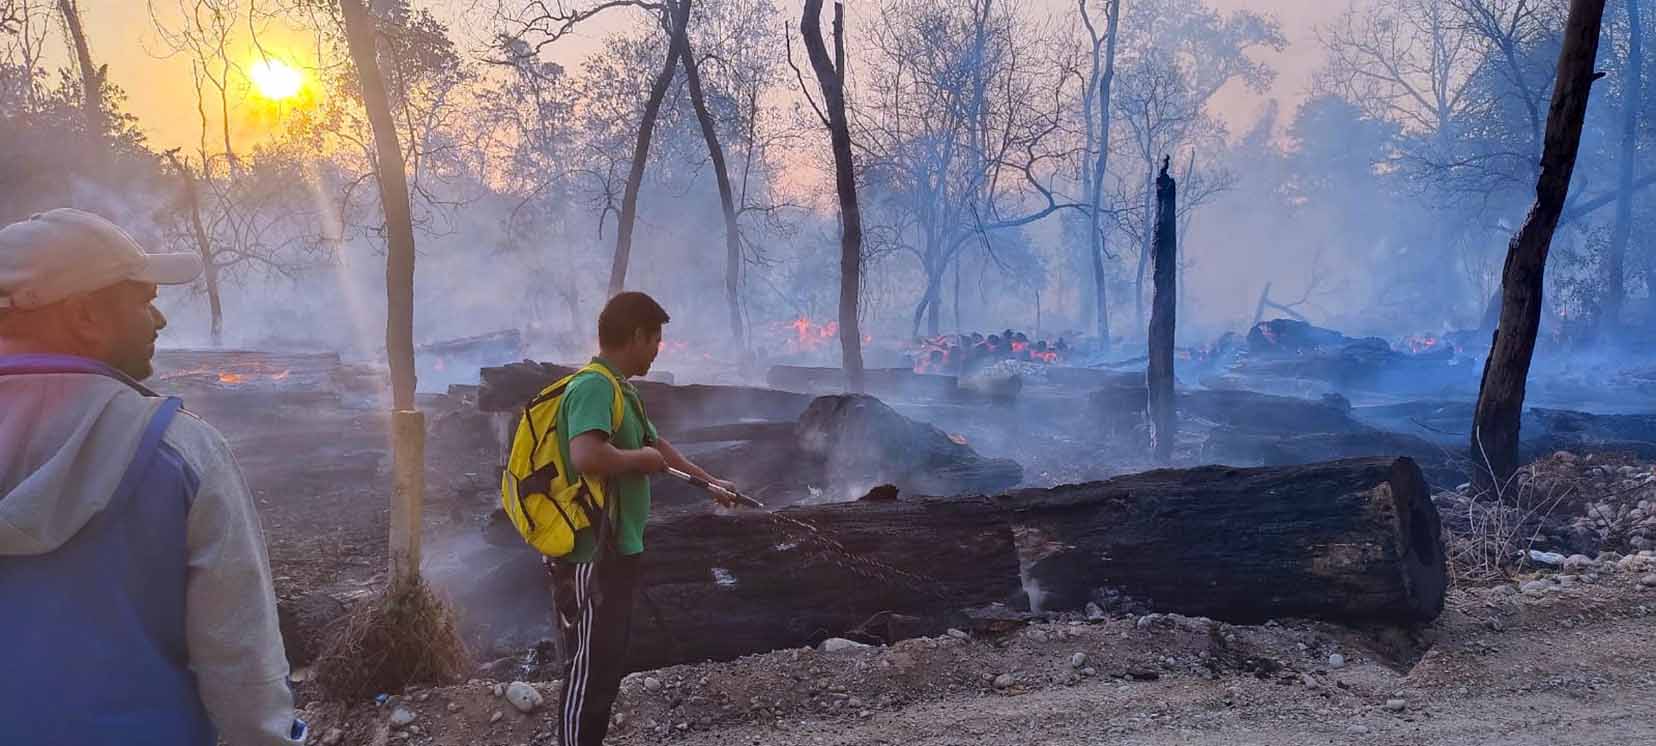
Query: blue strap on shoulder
x=153 y=432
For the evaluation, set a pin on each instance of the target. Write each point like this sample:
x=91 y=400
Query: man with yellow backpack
x=577 y=488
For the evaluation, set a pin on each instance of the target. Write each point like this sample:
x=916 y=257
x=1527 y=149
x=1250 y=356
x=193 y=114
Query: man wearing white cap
x=137 y=594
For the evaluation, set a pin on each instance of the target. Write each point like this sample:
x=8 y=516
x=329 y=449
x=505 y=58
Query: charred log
x=1352 y=540
x=720 y=586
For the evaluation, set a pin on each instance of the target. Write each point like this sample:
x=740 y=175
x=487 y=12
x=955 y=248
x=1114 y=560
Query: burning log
x=673 y=409
x=720 y=586
x=1344 y=540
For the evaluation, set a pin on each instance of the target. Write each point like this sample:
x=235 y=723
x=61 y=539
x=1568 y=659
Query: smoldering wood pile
x=785 y=447
x=1348 y=540
x=1293 y=357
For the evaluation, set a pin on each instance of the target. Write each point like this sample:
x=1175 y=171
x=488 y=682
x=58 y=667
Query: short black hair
x=626 y=314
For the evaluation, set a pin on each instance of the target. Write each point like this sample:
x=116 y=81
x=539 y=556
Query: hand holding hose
x=724 y=493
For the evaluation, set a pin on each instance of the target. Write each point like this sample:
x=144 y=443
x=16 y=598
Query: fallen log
x=717 y=586
x=1122 y=406
x=1347 y=540
x=673 y=409
x=1441 y=467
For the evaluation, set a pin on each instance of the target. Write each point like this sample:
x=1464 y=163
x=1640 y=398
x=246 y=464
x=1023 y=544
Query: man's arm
x=594 y=455
x=678 y=461
x=232 y=637
x=587 y=410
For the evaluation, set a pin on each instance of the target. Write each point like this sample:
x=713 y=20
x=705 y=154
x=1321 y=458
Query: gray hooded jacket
x=65 y=442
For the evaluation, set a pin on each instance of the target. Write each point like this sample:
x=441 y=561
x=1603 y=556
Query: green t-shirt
x=586 y=408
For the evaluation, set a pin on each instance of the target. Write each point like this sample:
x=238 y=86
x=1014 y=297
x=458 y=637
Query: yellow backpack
x=545 y=506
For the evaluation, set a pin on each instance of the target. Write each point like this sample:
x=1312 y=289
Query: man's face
x=126 y=327
x=646 y=346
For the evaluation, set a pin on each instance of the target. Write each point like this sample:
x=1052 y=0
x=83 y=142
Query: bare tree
x=92 y=76
x=1177 y=56
x=830 y=75
x=1096 y=159
x=408 y=430
x=962 y=133
x=205 y=32
x=1494 y=445
x=721 y=172
x=1615 y=257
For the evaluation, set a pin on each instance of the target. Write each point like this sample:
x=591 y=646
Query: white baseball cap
x=62 y=253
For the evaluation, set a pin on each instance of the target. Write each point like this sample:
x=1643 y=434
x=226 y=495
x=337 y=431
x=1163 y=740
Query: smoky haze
x=1310 y=156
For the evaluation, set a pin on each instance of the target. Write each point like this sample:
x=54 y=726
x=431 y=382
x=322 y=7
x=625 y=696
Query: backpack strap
x=147 y=445
x=618 y=406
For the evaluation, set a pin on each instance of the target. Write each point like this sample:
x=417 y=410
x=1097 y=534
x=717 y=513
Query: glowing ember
x=231 y=378
x=958 y=439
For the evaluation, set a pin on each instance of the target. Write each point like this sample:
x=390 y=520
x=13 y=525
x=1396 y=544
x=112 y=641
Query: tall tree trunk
x=1494 y=442
x=1095 y=190
x=97 y=120
x=721 y=172
x=641 y=155
x=1147 y=246
x=407 y=424
x=210 y=268
x=830 y=75
x=1162 y=313
x=1615 y=259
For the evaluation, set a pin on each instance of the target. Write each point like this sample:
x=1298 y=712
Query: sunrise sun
x=275 y=79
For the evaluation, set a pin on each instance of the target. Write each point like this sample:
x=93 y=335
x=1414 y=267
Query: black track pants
x=592 y=605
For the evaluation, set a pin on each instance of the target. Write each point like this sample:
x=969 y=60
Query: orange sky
x=159 y=90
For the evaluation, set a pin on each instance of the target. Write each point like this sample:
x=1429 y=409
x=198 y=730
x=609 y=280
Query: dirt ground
x=1560 y=663
x=1570 y=663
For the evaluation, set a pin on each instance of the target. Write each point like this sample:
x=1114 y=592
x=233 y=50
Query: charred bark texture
x=1494 y=442
x=641 y=156
x=717 y=586
x=1160 y=369
x=830 y=75
x=721 y=172
x=1348 y=540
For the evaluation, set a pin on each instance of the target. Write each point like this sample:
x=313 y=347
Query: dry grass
x=1495 y=528
x=403 y=636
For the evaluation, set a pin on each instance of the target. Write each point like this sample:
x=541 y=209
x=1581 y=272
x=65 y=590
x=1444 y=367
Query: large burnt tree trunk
x=210 y=271
x=721 y=172
x=641 y=155
x=722 y=585
x=408 y=430
x=1494 y=442
x=97 y=120
x=830 y=75
x=1615 y=257
x=1352 y=540
x=1160 y=370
